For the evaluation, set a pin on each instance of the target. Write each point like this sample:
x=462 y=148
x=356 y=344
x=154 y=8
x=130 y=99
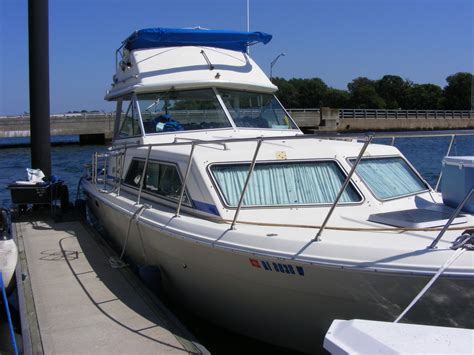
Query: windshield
x=256 y=110
x=181 y=111
x=389 y=178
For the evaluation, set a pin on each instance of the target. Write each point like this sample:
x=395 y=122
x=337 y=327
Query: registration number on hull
x=277 y=267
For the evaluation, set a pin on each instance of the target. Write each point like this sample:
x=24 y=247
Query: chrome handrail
x=183 y=186
x=343 y=187
x=451 y=219
x=247 y=180
x=143 y=176
x=122 y=170
x=447 y=154
x=382 y=135
x=184 y=141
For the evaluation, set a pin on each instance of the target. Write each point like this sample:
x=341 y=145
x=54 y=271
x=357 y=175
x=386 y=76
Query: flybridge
x=177 y=37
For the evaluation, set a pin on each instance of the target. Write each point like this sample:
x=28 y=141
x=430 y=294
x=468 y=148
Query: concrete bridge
x=99 y=127
x=90 y=127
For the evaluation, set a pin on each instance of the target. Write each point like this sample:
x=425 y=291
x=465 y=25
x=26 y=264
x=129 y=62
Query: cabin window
x=389 y=177
x=256 y=110
x=288 y=183
x=162 y=179
x=181 y=111
x=131 y=122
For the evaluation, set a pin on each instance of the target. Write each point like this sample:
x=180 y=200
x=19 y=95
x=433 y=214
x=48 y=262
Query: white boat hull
x=292 y=307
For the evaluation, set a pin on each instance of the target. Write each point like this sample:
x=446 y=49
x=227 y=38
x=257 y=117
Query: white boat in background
x=8 y=251
x=255 y=226
x=359 y=336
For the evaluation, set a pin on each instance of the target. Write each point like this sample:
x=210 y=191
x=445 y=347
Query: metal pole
x=38 y=46
x=143 y=175
x=105 y=171
x=447 y=154
x=248 y=22
x=343 y=188
x=122 y=167
x=183 y=187
x=249 y=175
x=451 y=219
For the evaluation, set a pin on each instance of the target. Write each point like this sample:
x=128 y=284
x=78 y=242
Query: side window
x=130 y=125
x=162 y=179
x=134 y=174
x=283 y=183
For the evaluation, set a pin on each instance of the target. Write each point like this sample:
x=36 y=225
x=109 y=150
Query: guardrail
x=405 y=114
x=343 y=113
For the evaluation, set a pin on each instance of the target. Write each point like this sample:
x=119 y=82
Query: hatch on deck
x=415 y=218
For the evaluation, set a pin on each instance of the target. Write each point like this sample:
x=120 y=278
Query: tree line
x=389 y=92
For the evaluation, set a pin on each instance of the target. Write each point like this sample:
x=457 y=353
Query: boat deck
x=75 y=302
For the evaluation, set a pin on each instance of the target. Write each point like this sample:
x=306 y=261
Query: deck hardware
x=247 y=180
x=343 y=188
x=211 y=67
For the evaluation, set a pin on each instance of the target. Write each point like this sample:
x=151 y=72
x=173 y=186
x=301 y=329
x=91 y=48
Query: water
x=68 y=163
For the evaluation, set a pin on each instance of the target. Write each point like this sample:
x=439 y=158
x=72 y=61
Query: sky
x=336 y=40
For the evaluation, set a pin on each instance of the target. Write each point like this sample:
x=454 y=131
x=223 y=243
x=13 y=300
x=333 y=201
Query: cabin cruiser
x=253 y=225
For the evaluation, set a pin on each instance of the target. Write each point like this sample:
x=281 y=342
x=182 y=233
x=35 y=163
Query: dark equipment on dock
x=40 y=194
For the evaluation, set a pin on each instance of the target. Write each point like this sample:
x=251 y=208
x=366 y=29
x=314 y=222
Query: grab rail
x=417 y=134
x=447 y=154
x=451 y=219
x=343 y=187
x=183 y=186
x=244 y=189
x=143 y=178
x=178 y=141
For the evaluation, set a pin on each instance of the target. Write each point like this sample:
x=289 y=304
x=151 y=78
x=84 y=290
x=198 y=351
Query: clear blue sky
x=335 y=40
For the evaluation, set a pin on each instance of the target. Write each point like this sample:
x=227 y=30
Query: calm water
x=68 y=164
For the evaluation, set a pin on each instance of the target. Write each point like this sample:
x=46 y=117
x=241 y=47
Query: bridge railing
x=405 y=114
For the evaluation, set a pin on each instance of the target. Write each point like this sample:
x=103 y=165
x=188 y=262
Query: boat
x=8 y=251
x=253 y=225
x=360 y=336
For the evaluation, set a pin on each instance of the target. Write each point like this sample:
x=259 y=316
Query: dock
x=72 y=301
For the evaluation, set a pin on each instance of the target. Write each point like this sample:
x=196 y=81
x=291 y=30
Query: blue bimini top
x=177 y=37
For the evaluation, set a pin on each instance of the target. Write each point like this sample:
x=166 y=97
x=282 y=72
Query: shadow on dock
x=83 y=304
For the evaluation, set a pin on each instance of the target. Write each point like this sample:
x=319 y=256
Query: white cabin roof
x=160 y=69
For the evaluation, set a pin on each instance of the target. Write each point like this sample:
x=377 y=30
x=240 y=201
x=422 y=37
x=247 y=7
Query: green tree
x=286 y=93
x=336 y=98
x=457 y=93
x=364 y=94
x=392 y=89
x=309 y=92
x=424 y=97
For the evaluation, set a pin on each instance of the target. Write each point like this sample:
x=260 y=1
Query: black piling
x=38 y=45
